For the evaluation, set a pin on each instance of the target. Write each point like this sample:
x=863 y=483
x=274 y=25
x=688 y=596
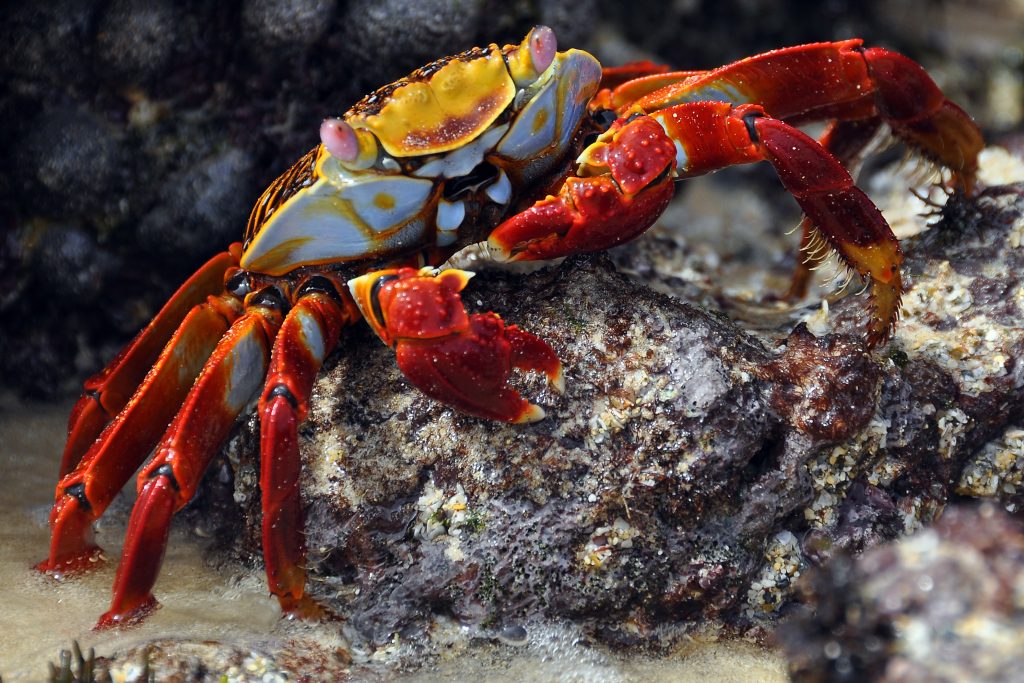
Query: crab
x=539 y=153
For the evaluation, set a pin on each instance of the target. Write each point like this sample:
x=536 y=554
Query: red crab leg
x=846 y=141
x=706 y=136
x=107 y=391
x=84 y=494
x=453 y=357
x=716 y=134
x=308 y=334
x=841 y=80
x=624 y=84
x=227 y=384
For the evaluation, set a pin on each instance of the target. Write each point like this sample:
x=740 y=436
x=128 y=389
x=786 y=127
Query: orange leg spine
x=107 y=392
x=227 y=384
x=309 y=333
x=84 y=494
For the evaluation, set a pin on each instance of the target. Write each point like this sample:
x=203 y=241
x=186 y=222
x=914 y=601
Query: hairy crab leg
x=845 y=81
x=451 y=356
x=841 y=212
x=846 y=141
x=107 y=392
x=308 y=334
x=83 y=495
x=229 y=381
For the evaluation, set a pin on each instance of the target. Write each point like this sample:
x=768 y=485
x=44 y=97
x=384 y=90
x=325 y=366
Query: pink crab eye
x=543 y=45
x=340 y=139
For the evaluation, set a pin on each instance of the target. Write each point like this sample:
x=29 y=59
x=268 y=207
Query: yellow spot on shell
x=384 y=201
x=539 y=120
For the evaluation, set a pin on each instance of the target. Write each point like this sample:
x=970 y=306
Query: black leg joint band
x=378 y=313
x=748 y=121
x=78 y=492
x=283 y=390
x=166 y=470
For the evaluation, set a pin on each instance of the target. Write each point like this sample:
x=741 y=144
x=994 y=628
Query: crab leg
x=228 y=382
x=107 y=392
x=627 y=163
x=309 y=333
x=845 y=81
x=846 y=141
x=459 y=359
x=84 y=494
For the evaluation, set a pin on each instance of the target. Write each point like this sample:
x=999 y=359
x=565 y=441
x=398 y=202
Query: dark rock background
x=134 y=136
x=945 y=605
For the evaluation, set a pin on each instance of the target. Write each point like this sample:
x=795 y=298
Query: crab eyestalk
x=533 y=56
x=354 y=148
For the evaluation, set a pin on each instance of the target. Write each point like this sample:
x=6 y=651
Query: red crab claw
x=453 y=357
x=627 y=186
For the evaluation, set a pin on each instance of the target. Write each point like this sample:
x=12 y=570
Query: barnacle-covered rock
x=946 y=604
x=692 y=471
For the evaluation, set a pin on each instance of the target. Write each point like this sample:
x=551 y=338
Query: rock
x=71 y=162
x=290 y=24
x=382 y=41
x=945 y=604
x=135 y=41
x=201 y=205
x=692 y=471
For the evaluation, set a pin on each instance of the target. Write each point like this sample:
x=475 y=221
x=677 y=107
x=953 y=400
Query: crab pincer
x=458 y=358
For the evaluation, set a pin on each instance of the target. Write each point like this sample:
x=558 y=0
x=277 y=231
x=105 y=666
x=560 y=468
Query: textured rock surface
x=946 y=604
x=691 y=472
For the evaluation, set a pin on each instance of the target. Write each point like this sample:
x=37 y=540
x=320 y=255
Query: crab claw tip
x=557 y=381
x=532 y=414
x=497 y=251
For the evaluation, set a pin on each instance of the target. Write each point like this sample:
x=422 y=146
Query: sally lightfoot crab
x=537 y=152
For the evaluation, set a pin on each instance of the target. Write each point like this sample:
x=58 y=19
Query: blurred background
x=135 y=135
